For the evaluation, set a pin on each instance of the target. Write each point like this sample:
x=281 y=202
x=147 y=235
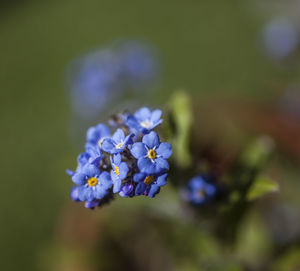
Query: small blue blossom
x=144 y=120
x=117 y=143
x=149 y=184
x=198 y=191
x=92 y=183
x=127 y=190
x=119 y=172
x=152 y=154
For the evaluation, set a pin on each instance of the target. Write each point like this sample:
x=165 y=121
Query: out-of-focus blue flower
x=127 y=190
x=198 y=191
x=94 y=80
x=149 y=184
x=140 y=65
x=144 y=120
x=119 y=172
x=280 y=38
x=92 y=183
x=117 y=143
x=152 y=154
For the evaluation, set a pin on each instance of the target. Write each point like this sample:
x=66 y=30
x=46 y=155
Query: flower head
x=152 y=154
x=198 y=191
x=144 y=120
x=119 y=172
x=92 y=183
x=149 y=184
x=117 y=143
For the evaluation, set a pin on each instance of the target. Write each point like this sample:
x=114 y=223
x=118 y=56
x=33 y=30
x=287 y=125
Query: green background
x=208 y=47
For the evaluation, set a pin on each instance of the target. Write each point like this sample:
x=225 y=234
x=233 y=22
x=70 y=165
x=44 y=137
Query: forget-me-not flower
x=149 y=184
x=93 y=184
x=199 y=191
x=144 y=120
x=117 y=143
x=152 y=154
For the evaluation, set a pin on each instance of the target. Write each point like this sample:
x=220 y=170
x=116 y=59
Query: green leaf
x=260 y=187
x=181 y=113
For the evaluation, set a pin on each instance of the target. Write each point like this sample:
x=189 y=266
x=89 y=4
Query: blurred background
x=239 y=61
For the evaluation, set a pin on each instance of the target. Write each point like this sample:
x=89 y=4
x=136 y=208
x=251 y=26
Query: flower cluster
x=199 y=191
x=131 y=162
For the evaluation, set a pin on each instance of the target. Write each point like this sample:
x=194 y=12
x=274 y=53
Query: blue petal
x=118 y=136
x=105 y=180
x=140 y=189
x=74 y=194
x=108 y=145
x=100 y=192
x=155 y=116
x=161 y=165
x=146 y=165
x=91 y=204
x=114 y=176
x=196 y=183
x=94 y=134
x=83 y=158
x=165 y=150
x=117 y=159
x=210 y=190
x=128 y=139
x=162 y=180
x=151 y=140
x=79 y=178
x=139 y=177
x=90 y=170
x=117 y=186
x=138 y=150
x=143 y=114
x=153 y=190
x=123 y=170
x=70 y=172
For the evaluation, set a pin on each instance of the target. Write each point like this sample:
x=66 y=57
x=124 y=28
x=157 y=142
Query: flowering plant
x=131 y=162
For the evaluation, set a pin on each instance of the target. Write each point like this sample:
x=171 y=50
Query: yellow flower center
x=149 y=180
x=151 y=154
x=120 y=145
x=117 y=170
x=92 y=181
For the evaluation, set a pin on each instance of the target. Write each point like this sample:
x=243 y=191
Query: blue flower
x=92 y=183
x=117 y=143
x=97 y=133
x=119 y=172
x=280 y=38
x=94 y=81
x=198 y=191
x=144 y=120
x=152 y=154
x=127 y=190
x=149 y=184
x=91 y=204
x=140 y=65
